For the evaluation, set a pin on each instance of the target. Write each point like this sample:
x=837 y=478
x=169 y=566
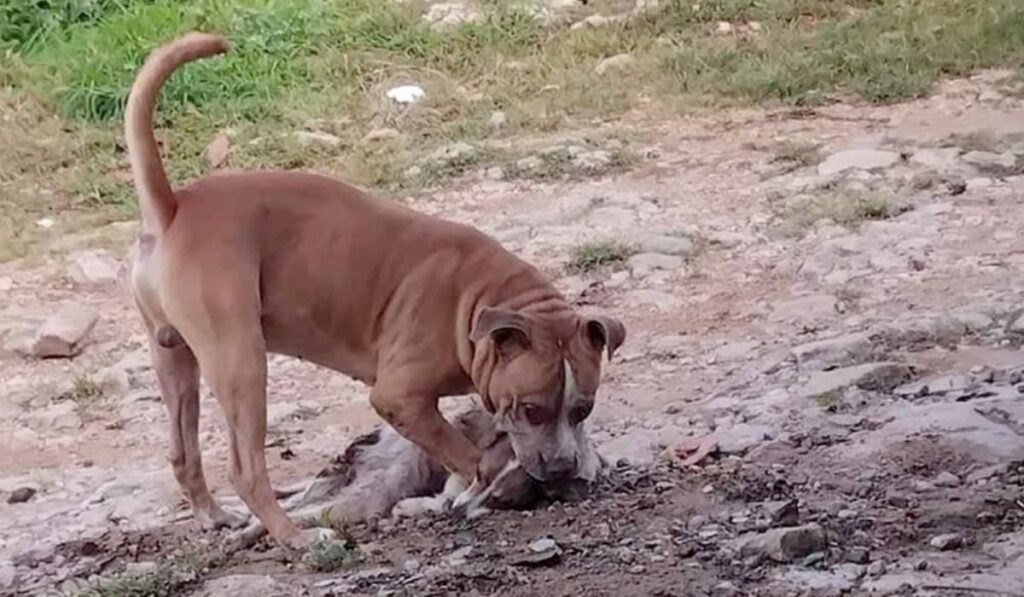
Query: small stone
x=21 y=495
x=858 y=159
x=140 y=568
x=64 y=334
x=319 y=140
x=498 y=120
x=218 y=150
x=923 y=486
x=784 y=514
x=876 y=568
x=411 y=566
x=626 y=555
x=92 y=269
x=858 y=555
x=543 y=552
x=946 y=479
x=406 y=94
x=947 y=542
x=381 y=135
x=614 y=63
x=637 y=569
x=495 y=173
x=723 y=28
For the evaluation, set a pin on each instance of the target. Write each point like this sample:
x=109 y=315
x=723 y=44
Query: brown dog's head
x=541 y=381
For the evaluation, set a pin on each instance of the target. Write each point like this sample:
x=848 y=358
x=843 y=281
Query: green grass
x=171 y=577
x=843 y=206
x=296 y=62
x=590 y=257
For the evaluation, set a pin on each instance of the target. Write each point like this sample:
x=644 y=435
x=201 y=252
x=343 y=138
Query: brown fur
x=234 y=266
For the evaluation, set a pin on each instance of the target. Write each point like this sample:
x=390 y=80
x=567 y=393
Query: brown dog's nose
x=560 y=468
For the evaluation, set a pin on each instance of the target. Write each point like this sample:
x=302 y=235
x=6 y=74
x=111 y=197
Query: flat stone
x=667 y=245
x=742 y=437
x=858 y=159
x=784 y=544
x=92 y=269
x=937 y=386
x=940 y=159
x=835 y=351
x=64 y=334
x=869 y=376
x=990 y=160
x=645 y=263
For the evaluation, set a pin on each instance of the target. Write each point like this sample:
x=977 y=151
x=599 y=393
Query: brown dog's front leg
x=419 y=421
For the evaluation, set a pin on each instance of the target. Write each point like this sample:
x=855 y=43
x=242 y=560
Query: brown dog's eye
x=534 y=414
x=578 y=413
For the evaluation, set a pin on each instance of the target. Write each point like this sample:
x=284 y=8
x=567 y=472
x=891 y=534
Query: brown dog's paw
x=219 y=518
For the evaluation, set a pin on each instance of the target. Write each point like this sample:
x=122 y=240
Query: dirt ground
x=862 y=375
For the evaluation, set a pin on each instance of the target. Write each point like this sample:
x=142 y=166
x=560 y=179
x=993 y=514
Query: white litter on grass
x=407 y=94
x=45 y=223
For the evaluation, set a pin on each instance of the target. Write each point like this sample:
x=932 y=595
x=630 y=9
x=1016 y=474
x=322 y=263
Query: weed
x=328 y=555
x=590 y=257
x=171 y=577
x=843 y=206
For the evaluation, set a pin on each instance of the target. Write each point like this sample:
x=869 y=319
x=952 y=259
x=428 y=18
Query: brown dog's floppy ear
x=509 y=330
x=605 y=333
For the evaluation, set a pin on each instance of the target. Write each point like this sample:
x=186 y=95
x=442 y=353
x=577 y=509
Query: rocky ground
x=834 y=295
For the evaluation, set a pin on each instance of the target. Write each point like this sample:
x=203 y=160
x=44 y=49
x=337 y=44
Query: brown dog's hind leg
x=178 y=374
x=235 y=365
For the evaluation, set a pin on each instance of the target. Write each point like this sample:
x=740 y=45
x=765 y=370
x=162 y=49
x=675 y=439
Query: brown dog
x=234 y=266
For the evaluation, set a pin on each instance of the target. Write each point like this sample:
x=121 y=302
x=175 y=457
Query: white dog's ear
x=605 y=333
x=508 y=330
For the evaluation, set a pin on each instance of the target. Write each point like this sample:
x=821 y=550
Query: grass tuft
x=590 y=257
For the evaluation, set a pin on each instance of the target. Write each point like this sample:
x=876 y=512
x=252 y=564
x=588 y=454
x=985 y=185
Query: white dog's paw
x=420 y=505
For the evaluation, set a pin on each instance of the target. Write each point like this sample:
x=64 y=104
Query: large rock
x=92 y=268
x=869 y=376
x=784 y=544
x=858 y=159
x=64 y=334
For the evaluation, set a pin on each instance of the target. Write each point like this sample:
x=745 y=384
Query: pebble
x=946 y=479
x=876 y=568
x=21 y=495
x=947 y=542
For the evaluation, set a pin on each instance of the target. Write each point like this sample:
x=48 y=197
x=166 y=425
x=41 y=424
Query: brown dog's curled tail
x=156 y=200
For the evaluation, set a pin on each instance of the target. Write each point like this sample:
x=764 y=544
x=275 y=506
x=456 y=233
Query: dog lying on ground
x=382 y=474
x=233 y=266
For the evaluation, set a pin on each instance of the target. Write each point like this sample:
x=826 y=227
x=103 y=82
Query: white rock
x=92 y=268
x=645 y=263
x=988 y=159
x=406 y=94
x=723 y=28
x=617 y=62
x=64 y=334
x=450 y=14
x=498 y=120
x=318 y=139
x=858 y=159
x=668 y=245
x=7 y=572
